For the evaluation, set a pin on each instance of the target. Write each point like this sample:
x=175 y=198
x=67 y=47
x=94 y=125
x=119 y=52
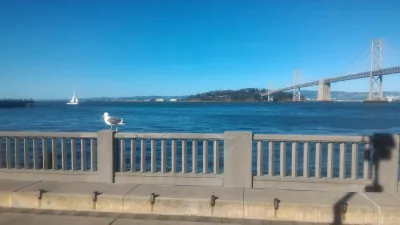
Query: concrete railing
x=47 y=155
x=232 y=159
x=174 y=158
x=314 y=162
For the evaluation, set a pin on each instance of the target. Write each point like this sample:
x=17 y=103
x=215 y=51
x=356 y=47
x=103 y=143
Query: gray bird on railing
x=112 y=121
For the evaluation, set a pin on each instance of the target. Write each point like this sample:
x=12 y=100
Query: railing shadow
x=381 y=145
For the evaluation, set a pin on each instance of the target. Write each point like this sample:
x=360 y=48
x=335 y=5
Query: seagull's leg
x=110 y=127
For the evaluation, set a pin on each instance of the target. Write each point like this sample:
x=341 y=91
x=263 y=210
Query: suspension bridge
x=375 y=74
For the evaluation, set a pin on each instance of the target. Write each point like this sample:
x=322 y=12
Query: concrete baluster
x=93 y=155
x=153 y=156
x=53 y=153
x=8 y=153
x=294 y=159
x=330 y=160
x=205 y=156
x=83 y=155
x=45 y=154
x=194 y=156
x=35 y=154
x=283 y=159
x=73 y=154
x=342 y=161
x=133 y=155
x=271 y=156
x=163 y=156
x=122 y=158
x=259 y=158
x=184 y=156
x=63 y=154
x=354 y=161
x=143 y=155
x=17 y=156
x=26 y=153
x=216 y=156
x=366 y=169
x=306 y=160
x=318 y=160
x=173 y=156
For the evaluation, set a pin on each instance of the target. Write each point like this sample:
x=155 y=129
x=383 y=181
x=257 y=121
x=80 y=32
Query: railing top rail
x=23 y=134
x=311 y=138
x=171 y=136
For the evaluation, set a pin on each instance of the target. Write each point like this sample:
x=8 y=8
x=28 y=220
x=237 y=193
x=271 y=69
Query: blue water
x=275 y=118
x=271 y=118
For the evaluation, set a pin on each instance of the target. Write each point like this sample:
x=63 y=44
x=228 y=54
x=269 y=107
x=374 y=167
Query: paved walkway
x=49 y=217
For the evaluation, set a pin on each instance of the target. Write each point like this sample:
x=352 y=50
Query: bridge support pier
x=324 y=91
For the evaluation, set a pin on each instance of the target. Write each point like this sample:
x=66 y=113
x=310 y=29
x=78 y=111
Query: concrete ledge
x=185 y=200
x=7 y=187
x=214 y=180
x=310 y=184
x=72 y=196
x=306 y=206
x=256 y=204
x=50 y=175
x=389 y=205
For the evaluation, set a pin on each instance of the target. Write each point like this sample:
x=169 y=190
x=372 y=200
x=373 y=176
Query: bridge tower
x=296 y=90
x=269 y=90
x=375 y=85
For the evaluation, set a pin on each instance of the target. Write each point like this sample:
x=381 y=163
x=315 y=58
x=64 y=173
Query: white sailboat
x=74 y=100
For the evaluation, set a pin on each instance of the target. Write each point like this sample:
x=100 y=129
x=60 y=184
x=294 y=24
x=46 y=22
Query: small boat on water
x=74 y=100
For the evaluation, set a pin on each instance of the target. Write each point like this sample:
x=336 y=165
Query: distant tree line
x=242 y=95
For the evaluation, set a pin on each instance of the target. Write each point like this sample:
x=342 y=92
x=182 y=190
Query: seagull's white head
x=105 y=115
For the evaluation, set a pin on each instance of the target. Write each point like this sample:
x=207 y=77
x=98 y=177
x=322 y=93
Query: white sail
x=74 y=100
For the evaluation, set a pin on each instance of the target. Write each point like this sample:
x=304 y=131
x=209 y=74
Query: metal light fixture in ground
x=276 y=203
x=40 y=194
x=94 y=196
x=152 y=198
x=212 y=200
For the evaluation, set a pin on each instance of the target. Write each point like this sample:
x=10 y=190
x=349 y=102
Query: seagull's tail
x=122 y=122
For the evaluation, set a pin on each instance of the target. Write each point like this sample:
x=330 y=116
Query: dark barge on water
x=12 y=103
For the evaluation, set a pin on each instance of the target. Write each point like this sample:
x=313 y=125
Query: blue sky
x=129 y=48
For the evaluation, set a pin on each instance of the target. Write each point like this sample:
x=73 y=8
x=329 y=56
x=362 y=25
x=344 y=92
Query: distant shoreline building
x=159 y=100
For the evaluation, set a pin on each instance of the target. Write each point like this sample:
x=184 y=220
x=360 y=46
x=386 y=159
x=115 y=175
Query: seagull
x=112 y=121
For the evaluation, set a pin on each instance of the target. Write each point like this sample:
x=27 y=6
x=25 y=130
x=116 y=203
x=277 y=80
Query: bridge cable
x=356 y=59
x=395 y=50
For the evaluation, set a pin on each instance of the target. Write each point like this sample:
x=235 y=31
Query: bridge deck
x=387 y=71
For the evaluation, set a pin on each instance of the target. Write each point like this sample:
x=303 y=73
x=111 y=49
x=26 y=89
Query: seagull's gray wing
x=114 y=120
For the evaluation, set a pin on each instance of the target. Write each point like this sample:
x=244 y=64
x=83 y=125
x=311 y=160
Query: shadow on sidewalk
x=381 y=145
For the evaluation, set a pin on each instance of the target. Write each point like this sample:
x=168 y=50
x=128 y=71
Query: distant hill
x=242 y=95
x=134 y=98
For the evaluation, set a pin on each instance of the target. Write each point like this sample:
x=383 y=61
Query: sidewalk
x=234 y=203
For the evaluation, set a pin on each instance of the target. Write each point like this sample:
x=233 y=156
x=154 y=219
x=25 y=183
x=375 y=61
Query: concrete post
x=386 y=164
x=389 y=169
x=238 y=159
x=105 y=156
